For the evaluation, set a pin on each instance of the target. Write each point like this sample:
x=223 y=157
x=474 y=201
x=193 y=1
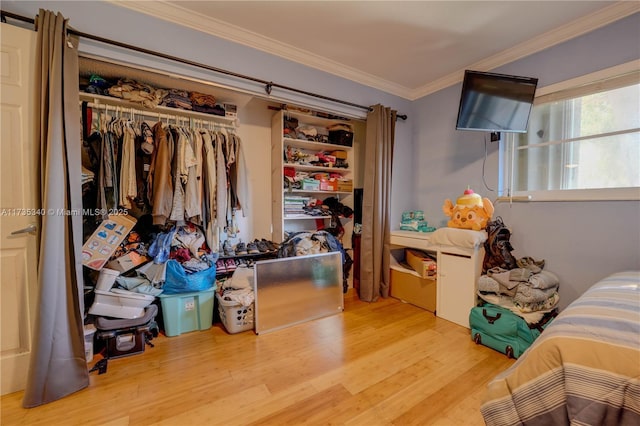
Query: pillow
x=458 y=237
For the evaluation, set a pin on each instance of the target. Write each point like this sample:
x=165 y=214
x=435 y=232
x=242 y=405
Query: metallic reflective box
x=293 y=290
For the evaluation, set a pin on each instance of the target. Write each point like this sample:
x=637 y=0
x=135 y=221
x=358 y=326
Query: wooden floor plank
x=382 y=363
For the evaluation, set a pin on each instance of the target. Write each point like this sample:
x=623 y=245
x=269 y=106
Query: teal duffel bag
x=501 y=329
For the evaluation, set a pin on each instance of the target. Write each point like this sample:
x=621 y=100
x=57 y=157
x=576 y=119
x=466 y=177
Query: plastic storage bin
x=186 y=312
x=234 y=316
x=89 y=332
x=106 y=279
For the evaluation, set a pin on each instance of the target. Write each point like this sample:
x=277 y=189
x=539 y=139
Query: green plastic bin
x=186 y=312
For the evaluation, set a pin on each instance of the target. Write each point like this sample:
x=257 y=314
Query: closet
x=129 y=147
x=254 y=124
x=123 y=111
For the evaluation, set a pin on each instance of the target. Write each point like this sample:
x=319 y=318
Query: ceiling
x=406 y=48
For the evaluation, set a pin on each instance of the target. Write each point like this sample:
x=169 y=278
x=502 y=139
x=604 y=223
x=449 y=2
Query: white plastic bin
x=89 y=332
x=106 y=279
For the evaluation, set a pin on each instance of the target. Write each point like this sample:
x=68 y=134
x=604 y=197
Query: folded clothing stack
x=414 y=221
x=177 y=99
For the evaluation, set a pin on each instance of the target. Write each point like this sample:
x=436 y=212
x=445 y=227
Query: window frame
x=507 y=147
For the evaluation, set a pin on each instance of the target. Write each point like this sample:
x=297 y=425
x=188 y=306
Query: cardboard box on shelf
x=105 y=240
x=339 y=154
x=421 y=262
x=230 y=110
x=410 y=288
x=310 y=184
x=127 y=262
x=345 y=185
x=328 y=185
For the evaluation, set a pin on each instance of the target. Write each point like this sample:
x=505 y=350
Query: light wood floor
x=383 y=363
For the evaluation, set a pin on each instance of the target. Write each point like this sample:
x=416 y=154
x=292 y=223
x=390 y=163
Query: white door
x=455 y=287
x=18 y=200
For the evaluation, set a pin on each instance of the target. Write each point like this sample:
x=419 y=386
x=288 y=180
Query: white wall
x=255 y=131
x=581 y=241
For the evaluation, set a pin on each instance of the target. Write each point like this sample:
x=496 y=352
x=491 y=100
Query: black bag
x=497 y=247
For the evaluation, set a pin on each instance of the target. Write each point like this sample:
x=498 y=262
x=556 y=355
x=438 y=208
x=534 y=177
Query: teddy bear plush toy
x=470 y=211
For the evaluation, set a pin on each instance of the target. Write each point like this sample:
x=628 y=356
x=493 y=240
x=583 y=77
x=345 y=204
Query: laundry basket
x=235 y=317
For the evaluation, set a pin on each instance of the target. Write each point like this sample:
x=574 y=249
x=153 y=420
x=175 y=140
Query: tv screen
x=495 y=102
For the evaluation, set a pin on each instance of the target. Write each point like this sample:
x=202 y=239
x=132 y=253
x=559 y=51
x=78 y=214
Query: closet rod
x=99 y=101
x=160 y=116
x=269 y=85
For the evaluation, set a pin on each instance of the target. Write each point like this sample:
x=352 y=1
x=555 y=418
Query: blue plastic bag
x=180 y=281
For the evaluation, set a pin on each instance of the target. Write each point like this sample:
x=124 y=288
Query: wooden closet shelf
x=157 y=111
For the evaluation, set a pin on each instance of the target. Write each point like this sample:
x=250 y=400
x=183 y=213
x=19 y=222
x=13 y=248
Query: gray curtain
x=376 y=199
x=58 y=366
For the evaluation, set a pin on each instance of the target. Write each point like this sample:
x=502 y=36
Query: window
x=583 y=141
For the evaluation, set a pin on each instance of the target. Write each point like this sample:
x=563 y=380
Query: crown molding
x=178 y=15
x=183 y=17
x=551 y=38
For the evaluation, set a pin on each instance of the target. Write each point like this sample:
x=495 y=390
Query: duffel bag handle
x=490 y=318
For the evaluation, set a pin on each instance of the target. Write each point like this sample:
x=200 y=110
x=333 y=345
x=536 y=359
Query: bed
x=585 y=367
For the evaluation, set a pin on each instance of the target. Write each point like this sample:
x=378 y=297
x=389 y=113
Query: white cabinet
x=284 y=217
x=458 y=271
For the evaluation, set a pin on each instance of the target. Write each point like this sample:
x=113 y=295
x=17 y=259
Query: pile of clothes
x=134 y=91
x=177 y=99
x=183 y=244
x=239 y=288
x=205 y=103
x=309 y=242
x=526 y=289
x=151 y=97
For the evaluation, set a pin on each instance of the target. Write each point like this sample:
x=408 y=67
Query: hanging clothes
x=144 y=149
x=209 y=215
x=199 y=151
x=128 y=186
x=159 y=178
x=221 y=180
x=177 y=173
x=109 y=176
x=192 y=200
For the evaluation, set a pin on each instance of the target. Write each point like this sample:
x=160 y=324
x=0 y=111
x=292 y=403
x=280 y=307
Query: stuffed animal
x=470 y=211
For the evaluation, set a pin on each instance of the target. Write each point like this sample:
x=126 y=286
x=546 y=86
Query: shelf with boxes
x=312 y=161
x=451 y=292
x=413 y=277
x=312 y=166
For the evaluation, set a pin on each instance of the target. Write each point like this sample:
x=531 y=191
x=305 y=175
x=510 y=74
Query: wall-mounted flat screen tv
x=495 y=102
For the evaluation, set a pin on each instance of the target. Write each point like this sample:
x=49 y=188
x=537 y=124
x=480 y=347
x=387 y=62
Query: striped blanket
x=583 y=370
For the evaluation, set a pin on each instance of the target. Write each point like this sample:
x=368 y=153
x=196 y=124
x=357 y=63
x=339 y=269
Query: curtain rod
x=269 y=85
